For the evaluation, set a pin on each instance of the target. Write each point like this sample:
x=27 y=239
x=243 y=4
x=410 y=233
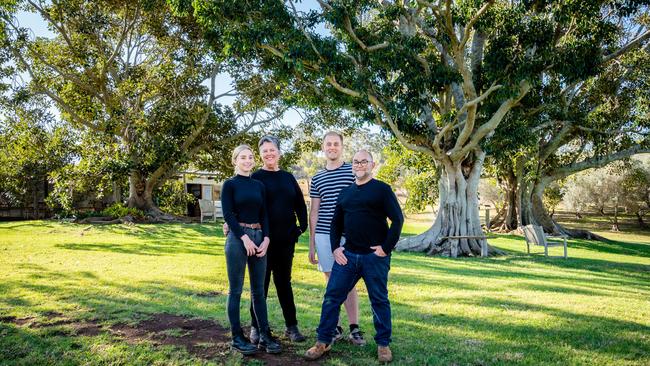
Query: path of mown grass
x=592 y=309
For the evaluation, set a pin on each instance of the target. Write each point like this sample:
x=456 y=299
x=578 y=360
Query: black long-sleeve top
x=361 y=212
x=284 y=203
x=243 y=199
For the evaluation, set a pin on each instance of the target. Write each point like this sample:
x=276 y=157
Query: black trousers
x=278 y=265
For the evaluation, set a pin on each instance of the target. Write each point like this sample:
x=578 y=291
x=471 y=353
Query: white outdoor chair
x=218 y=212
x=534 y=234
x=207 y=209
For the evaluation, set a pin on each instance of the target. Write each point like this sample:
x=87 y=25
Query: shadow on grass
x=152 y=248
x=448 y=334
x=613 y=247
x=519 y=268
x=553 y=341
x=13 y=225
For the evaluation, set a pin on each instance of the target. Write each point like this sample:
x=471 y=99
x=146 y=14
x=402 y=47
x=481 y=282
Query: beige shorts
x=324 y=251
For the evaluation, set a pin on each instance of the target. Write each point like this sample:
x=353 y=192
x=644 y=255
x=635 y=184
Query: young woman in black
x=243 y=203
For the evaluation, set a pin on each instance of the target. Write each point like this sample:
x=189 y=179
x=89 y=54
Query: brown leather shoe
x=384 y=354
x=317 y=351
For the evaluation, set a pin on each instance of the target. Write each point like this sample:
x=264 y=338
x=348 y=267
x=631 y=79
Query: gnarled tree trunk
x=141 y=197
x=458 y=214
x=507 y=219
x=140 y=193
x=534 y=212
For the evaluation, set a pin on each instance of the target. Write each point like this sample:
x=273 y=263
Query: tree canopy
x=441 y=76
x=142 y=82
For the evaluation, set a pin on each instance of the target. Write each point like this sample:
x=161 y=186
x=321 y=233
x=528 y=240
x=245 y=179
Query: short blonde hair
x=333 y=133
x=235 y=153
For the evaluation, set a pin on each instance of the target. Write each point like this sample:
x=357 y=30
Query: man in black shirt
x=361 y=212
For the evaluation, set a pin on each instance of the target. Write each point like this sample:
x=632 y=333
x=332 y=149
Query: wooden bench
x=534 y=234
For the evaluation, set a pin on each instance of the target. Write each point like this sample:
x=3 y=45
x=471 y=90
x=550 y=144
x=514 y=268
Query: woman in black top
x=284 y=203
x=243 y=203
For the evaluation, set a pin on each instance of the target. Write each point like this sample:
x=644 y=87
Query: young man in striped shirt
x=325 y=188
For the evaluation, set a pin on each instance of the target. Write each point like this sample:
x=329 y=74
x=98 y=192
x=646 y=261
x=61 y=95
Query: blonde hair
x=333 y=133
x=235 y=153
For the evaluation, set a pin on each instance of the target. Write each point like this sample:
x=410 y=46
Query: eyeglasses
x=363 y=162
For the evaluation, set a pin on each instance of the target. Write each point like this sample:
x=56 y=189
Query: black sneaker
x=338 y=334
x=240 y=344
x=268 y=342
x=294 y=335
x=356 y=337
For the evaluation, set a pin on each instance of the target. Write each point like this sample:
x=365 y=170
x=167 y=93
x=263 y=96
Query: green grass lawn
x=592 y=309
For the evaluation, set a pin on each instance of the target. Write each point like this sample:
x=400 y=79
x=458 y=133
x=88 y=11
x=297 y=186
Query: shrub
x=172 y=198
x=118 y=210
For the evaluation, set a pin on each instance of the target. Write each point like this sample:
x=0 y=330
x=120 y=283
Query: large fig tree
x=137 y=77
x=565 y=128
x=440 y=75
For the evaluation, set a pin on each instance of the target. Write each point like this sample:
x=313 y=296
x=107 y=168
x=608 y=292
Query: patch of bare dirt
x=54 y=319
x=209 y=294
x=201 y=338
x=17 y=321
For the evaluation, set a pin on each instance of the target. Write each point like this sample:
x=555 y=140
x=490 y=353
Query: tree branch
x=469 y=122
x=470 y=24
x=631 y=45
x=304 y=32
x=595 y=162
x=199 y=127
x=378 y=105
x=555 y=142
x=493 y=122
x=348 y=27
x=342 y=89
x=126 y=30
x=58 y=27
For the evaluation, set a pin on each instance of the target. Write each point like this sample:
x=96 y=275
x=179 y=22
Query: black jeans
x=279 y=263
x=236 y=261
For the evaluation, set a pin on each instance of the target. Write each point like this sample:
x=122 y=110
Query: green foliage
x=99 y=175
x=414 y=172
x=172 y=198
x=443 y=79
x=571 y=122
x=32 y=145
x=553 y=196
x=131 y=77
x=118 y=210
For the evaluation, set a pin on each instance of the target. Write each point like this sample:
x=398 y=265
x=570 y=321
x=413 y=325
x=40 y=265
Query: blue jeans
x=236 y=261
x=374 y=271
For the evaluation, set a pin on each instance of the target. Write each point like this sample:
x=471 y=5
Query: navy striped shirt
x=326 y=185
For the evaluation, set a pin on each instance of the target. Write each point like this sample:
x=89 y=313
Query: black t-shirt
x=361 y=212
x=284 y=203
x=243 y=200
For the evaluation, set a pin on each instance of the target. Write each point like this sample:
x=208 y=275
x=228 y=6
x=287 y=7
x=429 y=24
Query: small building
x=202 y=185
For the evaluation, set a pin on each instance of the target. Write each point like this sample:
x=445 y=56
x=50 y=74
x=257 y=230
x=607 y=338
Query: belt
x=250 y=226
